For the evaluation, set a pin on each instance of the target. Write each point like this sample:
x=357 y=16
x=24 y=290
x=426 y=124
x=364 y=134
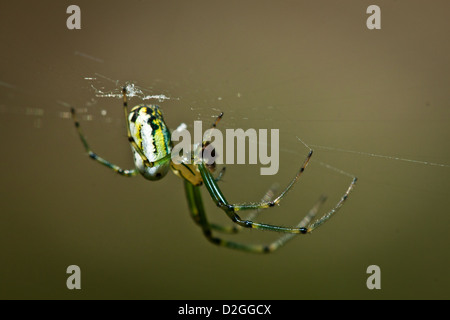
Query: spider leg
x=232 y=209
x=267 y=197
x=207 y=142
x=220 y=175
x=216 y=227
x=94 y=156
x=305 y=222
x=198 y=212
x=329 y=214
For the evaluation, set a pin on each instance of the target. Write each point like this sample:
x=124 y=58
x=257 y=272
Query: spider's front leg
x=216 y=194
x=232 y=209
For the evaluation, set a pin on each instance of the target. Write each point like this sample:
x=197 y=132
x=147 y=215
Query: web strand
x=382 y=156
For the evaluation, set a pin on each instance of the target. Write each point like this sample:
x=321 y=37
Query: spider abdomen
x=152 y=137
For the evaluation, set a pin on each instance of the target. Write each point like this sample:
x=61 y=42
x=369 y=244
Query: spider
x=151 y=144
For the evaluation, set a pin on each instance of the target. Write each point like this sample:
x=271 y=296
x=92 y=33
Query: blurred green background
x=311 y=69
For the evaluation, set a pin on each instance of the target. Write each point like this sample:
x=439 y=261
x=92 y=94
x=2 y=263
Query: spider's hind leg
x=96 y=157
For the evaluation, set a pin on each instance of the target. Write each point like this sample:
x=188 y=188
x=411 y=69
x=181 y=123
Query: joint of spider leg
x=124 y=93
x=218 y=119
x=120 y=171
x=266 y=249
x=271 y=204
x=92 y=155
x=221 y=204
x=207 y=233
x=230 y=208
x=247 y=224
x=303 y=230
x=215 y=240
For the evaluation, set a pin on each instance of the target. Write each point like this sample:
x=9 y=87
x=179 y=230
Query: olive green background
x=311 y=69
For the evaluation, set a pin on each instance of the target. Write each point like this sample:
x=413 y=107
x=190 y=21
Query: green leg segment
x=231 y=209
x=198 y=213
x=94 y=156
